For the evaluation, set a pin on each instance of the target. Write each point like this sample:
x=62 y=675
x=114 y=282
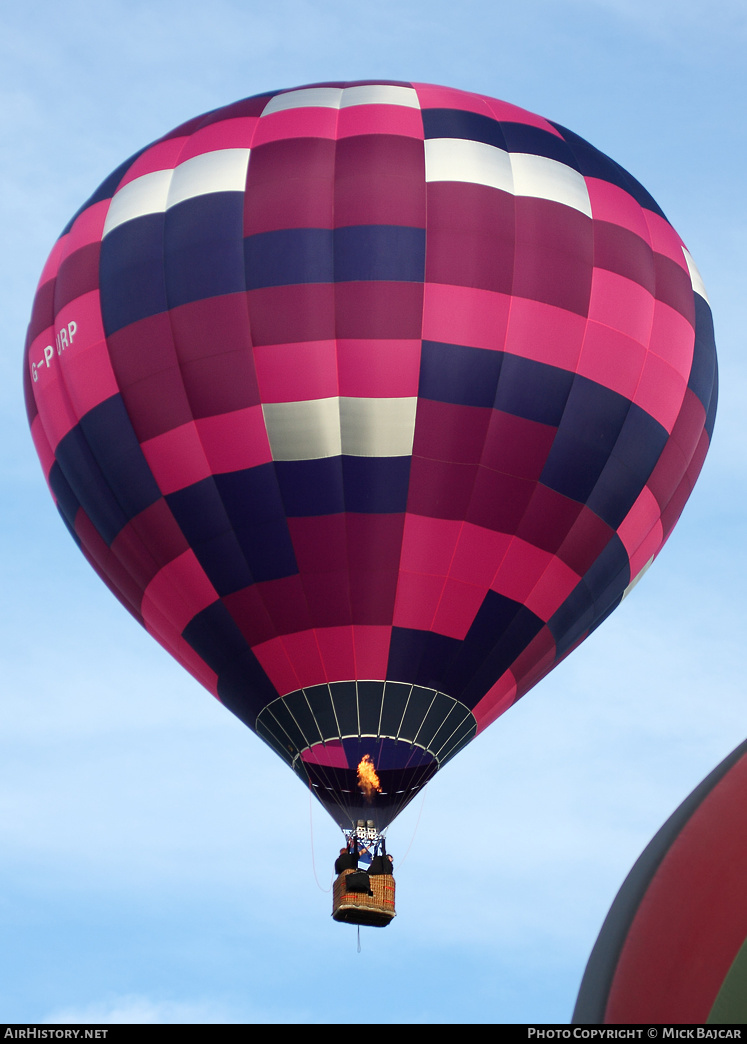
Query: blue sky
x=158 y=863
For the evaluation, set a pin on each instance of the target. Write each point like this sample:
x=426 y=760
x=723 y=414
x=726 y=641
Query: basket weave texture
x=355 y=908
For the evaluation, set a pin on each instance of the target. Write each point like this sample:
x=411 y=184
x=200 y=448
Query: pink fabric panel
x=371 y=651
x=613 y=204
x=457 y=609
x=673 y=339
x=275 y=660
x=499 y=697
x=552 y=588
x=235 y=133
x=379 y=369
x=236 y=440
x=87 y=228
x=545 y=333
x=52 y=397
x=431 y=96
x=664 y=239
x=306 y=122
x=180 y=589
x=612 y=358
x=177 y=458
x=89 y=376
x=622 y=304
x=52 y=263
x=417 y=601
x=379 y=119
x=478 y=555
x=522 y=566
x=331 y=754
x=428 y=544
x=303 y=650
x=464 y=315
x=660 y=391
x=337 y=652
x=297 y=372
x=688 y=430
x=640 y=520
x=647 y=549
x=161 y=629
x=164 y=155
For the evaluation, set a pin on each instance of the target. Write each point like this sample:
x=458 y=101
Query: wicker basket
x=355 y=908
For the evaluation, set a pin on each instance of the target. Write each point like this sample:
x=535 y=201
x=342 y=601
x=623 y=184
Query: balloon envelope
x=370 y=401
x=673 y=948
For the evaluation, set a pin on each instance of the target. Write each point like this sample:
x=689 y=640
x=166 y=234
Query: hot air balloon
x=370 y=401
x=673 y=948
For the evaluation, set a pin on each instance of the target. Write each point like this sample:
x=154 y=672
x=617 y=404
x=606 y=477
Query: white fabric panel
x=461 y=159
x=695 y=276
x=145 y=195
x=377 y=427
x=303 y=430
x=642 y=573
x=546 y=178
x=223 y=170
x=311 y=97
x=379 y=94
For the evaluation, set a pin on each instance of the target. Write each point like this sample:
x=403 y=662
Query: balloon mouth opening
x=332 y=771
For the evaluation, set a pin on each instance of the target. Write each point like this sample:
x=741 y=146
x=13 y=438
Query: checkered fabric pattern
x=378 y=384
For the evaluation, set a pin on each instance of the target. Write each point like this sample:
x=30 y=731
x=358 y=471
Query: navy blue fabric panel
x=593 y=599
x=288 y=256
x=458 y=374
x=202 y=518
x=71 y=531
x=106 y=189
x=711 y=412
x=67 y=502
x=116 y=483
x=253 y=493
x=215 y=637
x=311 y=487
x=573 y=620
x=609 y=575
x=521 y=137
x=420 y=657
x=455 y=123
x=501 y=630
x=85 y=479
x=199 y=511
x=394 y=253
x=204 y=248
x=594 y=164
x=120 y=457
x=703 y=370
x=330 y=485
x=639 y=445
x=391 y=253
x=533 y=390
x=243 y=685
x=591 y=422
x=131 y=272
x=376 y=485
x=253 y=496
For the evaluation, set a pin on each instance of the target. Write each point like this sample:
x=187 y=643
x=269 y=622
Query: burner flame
x=368 y=781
